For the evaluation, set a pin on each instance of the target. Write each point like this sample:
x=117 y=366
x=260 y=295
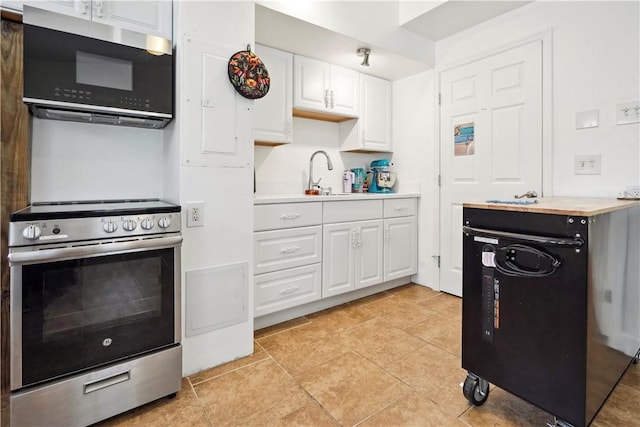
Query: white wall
x=79 y=161
x=415 y=135
x=285 y=168
x=596 y=65
x=226 y=237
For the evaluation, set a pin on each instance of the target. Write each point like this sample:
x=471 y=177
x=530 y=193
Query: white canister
x=347 y=181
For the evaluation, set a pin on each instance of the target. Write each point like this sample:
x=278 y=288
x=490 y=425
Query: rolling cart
x=550 y=306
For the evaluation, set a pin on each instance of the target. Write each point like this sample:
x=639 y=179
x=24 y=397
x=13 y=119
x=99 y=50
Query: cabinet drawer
x=280 y=249
x=286 y=215
x=287 y=288
x=399 y=207
x=352 y=210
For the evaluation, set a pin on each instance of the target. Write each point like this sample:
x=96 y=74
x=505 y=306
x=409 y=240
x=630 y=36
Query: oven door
x=78 y=308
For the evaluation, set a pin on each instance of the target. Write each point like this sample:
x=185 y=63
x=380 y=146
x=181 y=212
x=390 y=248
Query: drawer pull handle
x=289 y=290
x=90 y=387
x=401 y=208
x=290 y=215
x=289 y=250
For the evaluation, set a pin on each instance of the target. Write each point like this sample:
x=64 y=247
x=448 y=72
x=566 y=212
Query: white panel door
x=272 y=114
x=344 y=98
x=144 y=16
x=338 y=259
x=369 y=253
x=490 y=141
x=311 y=80
x=400 y=247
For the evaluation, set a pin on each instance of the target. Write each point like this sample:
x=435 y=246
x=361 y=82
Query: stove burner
x=63 y=222
x=91 y=208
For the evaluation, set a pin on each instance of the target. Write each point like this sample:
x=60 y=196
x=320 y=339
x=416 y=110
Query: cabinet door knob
x=99 y=8
x=84 y=5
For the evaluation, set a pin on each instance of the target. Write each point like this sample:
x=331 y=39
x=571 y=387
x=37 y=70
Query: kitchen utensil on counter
x=359 y=178
x=382 y=179
x=347 y=181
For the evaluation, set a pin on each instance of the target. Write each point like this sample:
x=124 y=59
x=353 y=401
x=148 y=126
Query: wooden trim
x=11 y=15
x=14 y=177
x=315 y=115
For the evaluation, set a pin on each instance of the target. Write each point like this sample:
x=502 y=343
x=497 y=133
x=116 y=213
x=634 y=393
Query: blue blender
x=382 y=179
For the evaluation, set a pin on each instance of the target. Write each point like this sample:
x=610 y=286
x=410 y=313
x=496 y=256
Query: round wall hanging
x=248 y=74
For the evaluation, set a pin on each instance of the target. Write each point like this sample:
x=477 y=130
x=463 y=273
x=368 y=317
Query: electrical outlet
x=587 y=165
x=195 y=214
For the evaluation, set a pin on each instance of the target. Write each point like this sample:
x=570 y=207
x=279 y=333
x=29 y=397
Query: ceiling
x=303 y=38
x=300 y=37
x=454 y=16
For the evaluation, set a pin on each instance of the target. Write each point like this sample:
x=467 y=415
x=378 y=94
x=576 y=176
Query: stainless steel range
x=95 y=309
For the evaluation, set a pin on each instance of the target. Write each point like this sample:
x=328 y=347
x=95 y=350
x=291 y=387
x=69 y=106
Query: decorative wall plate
x=249 y=75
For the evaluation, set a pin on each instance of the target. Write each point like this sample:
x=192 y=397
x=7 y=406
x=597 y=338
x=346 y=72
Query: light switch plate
x=588 y=165
x=587 y=119
x=628 y=112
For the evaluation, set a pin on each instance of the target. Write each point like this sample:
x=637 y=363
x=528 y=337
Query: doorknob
x=528 y=194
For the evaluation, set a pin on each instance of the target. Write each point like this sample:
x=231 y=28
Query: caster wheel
x=172 y=395
x=476 y=390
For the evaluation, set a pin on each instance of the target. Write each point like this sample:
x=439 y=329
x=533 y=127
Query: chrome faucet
x=313 y=184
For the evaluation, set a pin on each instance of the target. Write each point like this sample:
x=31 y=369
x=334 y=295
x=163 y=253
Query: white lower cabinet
x=287 y=288
x=400 y=247
x=287 y=252
x=293 y=247
x=352 y=256
x=400 y=238
x=304 y=252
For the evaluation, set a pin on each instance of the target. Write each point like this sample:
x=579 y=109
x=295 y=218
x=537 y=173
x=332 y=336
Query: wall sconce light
x=365 y=52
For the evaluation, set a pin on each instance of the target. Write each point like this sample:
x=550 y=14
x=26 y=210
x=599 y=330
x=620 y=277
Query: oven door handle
x=61 y=254
x=563 y=242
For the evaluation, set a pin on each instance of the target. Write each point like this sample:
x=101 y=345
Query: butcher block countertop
x=580 y=206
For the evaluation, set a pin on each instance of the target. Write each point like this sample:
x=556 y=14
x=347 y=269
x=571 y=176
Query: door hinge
x=437 y=257
x=439 y=99
x=439 y=180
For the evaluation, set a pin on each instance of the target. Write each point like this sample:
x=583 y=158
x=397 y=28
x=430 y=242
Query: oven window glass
x=103 y=71
x=84 y=313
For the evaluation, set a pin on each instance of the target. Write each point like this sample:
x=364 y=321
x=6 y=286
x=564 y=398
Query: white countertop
x=261 y=199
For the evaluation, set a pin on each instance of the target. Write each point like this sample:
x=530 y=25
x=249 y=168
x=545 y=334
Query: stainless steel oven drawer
x=88 y=398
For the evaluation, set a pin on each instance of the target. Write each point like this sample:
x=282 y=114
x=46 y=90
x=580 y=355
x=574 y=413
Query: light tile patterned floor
x=392 y=359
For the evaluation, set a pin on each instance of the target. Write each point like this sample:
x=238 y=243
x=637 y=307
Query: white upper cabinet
x=272 y=120
x=319 y=87
x=372 y=131
x=143 y=16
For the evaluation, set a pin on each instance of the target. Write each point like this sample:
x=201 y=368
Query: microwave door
x=66 y=71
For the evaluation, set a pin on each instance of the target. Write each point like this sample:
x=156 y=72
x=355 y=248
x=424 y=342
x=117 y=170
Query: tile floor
x=392 y=359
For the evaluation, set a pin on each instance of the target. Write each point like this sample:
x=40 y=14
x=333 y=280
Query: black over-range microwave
x=78 y=78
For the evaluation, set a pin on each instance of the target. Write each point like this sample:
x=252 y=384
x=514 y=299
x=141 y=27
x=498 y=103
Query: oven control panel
x=29 y=233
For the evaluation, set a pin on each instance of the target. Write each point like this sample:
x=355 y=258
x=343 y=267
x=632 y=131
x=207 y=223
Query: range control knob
x=110 y=226
x=32 y=232
x=129 y=224
x=147 y=224
x=164 y=222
